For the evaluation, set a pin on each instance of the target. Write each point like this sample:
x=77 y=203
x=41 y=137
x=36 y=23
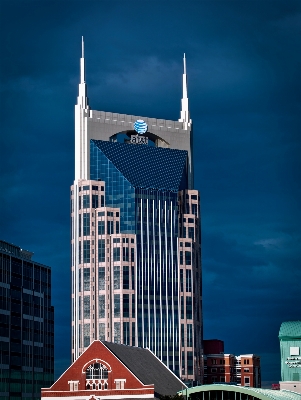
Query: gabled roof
x=147 y=167
x=290 y=330
x=147 y=368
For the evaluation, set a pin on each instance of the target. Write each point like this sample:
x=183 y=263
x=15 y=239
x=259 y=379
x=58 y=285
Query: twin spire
x=83 y=99
x=185 y=116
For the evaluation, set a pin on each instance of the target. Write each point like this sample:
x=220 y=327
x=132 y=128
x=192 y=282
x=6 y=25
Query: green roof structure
x=290 y=330
x=229 y=392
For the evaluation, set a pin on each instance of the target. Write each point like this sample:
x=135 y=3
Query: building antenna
x=184 y=117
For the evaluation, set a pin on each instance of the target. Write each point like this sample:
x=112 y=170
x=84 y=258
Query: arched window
x=97 y=371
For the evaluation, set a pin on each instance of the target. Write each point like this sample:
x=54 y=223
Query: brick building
x=114 y=371
x=243 y=370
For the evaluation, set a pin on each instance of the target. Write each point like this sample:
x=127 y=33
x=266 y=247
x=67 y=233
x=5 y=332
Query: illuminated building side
x=136 y=263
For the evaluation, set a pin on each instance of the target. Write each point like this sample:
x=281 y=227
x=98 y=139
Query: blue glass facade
x=143 y=182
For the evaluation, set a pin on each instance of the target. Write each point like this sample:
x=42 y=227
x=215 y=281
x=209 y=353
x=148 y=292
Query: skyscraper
x=26 y=324
x=136 y=263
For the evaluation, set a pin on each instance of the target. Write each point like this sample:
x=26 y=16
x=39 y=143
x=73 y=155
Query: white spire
x=185 y=117
x=82 y=89
x=82 y=110
x=82 y=64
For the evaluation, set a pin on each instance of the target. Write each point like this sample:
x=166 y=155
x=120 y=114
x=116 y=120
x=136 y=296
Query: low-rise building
x=290 y=349
x=114 y=371
x=243 y=370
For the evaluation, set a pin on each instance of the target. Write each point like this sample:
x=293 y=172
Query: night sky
x=244 y=88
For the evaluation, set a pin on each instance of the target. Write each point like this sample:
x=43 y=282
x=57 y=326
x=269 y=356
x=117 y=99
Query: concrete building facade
x=136 y=258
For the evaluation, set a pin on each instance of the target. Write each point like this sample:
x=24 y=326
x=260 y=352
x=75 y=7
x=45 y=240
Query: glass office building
x=26 y=326
x=136 y=261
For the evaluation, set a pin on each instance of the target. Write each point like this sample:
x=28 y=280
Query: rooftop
x=290 y=330
x=258 y=393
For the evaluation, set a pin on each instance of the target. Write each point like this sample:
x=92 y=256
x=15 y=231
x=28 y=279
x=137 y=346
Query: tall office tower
x=136 y=264
x=26 y=326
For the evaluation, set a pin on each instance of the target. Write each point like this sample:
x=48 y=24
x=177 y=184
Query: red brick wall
x=97 y=351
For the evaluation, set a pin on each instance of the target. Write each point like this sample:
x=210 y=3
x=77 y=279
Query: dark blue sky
x=244 y=67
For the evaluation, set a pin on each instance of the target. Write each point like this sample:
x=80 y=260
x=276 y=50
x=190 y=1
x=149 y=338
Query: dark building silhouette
x=26 y=325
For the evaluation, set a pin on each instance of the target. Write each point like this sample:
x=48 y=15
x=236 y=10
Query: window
x=86 y=244
x=79 y=252
x=102 y=199
x=86 y=306
x=117 y=227
x=101 y=278
x=94 y=187
x=213 y=369
x=101 y=250
x=191 y=232
x=86 y=278
x=189 y=335
x=132 y=254
x=246 y=369
x=126 y=305
x=189 y=363
x=79 y=225
x=101 y=333
x=86 y=224
x=188 y=257
x=133 y=306
x=86 y=335
x=116 y=332
x=101 y=214
x=119 y=383
x=101 y=227
x=79 y=202
x=181 y=257
x=183 y=363
x=188 y=280
x=86 y=201
x=116 y=254
x=194 y=209
x=189 y=307
x=191 y=220
x=126 y=333
x=94 y=201
x=110 y=227
x=97 y=371
x=125 y=252
x=182 y=280
x=116 y=277
x=182 y=308
x=126 y=277
x=101 y=306
x=133 y=333
x=194 y=197
x=116 y=305
x=247 y=381
x=116 y=240
x=87 y=187
x=110 y=214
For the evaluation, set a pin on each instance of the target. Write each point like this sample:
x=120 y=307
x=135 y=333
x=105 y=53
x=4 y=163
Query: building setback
x=26 y=326
x=136 y=260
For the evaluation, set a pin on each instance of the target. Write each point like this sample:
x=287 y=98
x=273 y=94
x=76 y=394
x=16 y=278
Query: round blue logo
x=140 y=126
